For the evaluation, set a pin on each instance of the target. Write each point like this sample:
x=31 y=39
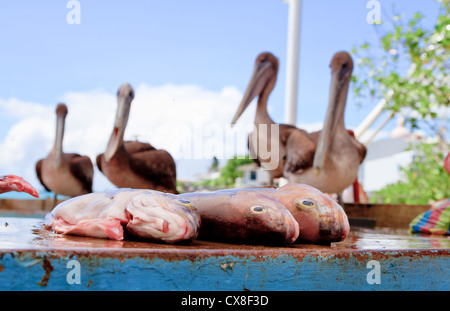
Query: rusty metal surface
x=18 y=234
x=34 y=258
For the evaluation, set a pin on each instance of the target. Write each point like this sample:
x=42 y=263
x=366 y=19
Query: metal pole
x=379 y=128
x=292 y=61
x=379 y=108
x=370 y=119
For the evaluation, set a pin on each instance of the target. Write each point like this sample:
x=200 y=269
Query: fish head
x=321 y=219
x=162 y=216
x=266 y=219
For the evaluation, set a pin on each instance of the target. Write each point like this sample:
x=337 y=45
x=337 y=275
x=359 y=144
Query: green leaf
x=387 y=41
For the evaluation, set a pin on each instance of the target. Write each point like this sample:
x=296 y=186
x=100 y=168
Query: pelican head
x=341 y=71
x=125 y=96
x=262 y=80
x=61 y=113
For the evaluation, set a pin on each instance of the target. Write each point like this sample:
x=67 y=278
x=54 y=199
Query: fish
x=321 y=219
x=245 y=217
x=15 y=183
x=139 y=213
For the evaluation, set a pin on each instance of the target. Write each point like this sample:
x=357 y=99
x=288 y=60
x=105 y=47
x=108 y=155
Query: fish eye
x=305 y=203
x=184 y=202
x=258 y=209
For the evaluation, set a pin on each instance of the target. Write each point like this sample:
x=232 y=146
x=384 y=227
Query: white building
x=253 y=176
x=385 y=157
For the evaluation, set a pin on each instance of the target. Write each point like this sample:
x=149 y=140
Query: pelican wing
x=38 y=173
x=362 y=150
x=300 y=150
x=157 y=165
x=81 y=167
x=136 y=146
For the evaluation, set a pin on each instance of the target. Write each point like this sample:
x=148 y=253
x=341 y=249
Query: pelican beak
x=261 y=74
x=60 y=121
x=123 y=110
x=325 y=138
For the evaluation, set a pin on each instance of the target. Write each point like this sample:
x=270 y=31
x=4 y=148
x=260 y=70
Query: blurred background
x=190 y=62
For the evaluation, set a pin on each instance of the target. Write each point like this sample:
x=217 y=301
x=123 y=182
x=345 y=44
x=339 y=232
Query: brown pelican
x=338 y=154
x=68 y=174
x=295 y=149
x=133 y=164
x=288 y=149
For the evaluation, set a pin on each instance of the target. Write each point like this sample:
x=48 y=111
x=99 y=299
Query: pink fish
x=145 y=214
x=247 y=217
x=320 y=218
x=16 y=183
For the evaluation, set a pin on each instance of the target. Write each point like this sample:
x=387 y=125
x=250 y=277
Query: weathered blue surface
x=42 y=264
x=399 y=271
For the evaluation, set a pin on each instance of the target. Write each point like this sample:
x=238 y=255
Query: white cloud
x=190 y=122
x=178 y=118
x=14 y=108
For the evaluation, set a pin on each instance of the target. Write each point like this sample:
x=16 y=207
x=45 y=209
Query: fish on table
x=116 y=214
x=320 y=218
x=15 y=183
x=246 y=217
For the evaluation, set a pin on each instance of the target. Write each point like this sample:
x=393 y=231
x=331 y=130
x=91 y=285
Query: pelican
x=133 y=164
x=68 y=174
x=309 y=158
x=338 y=154
x=288 y=147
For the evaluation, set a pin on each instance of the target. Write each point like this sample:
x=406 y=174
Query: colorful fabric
x=434 y=221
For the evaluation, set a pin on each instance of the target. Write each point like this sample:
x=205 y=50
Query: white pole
x=370 y=119
x=379 y=108
x=292 y=61
x=373 y=115
x=372 y=136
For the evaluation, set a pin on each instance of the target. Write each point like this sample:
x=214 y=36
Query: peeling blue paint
x=283 y=272
x=34 y=260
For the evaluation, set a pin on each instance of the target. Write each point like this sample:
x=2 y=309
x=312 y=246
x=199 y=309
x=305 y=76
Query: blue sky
x=208 y=44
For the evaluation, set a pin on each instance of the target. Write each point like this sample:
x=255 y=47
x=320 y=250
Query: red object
x=15 y=183
x=447 y=163
x=355 y=184
x=356 y=191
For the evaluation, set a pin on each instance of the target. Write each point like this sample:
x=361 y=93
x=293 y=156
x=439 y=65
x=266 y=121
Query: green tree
x=424 y=180
x=409 y=68
x=229 y=172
